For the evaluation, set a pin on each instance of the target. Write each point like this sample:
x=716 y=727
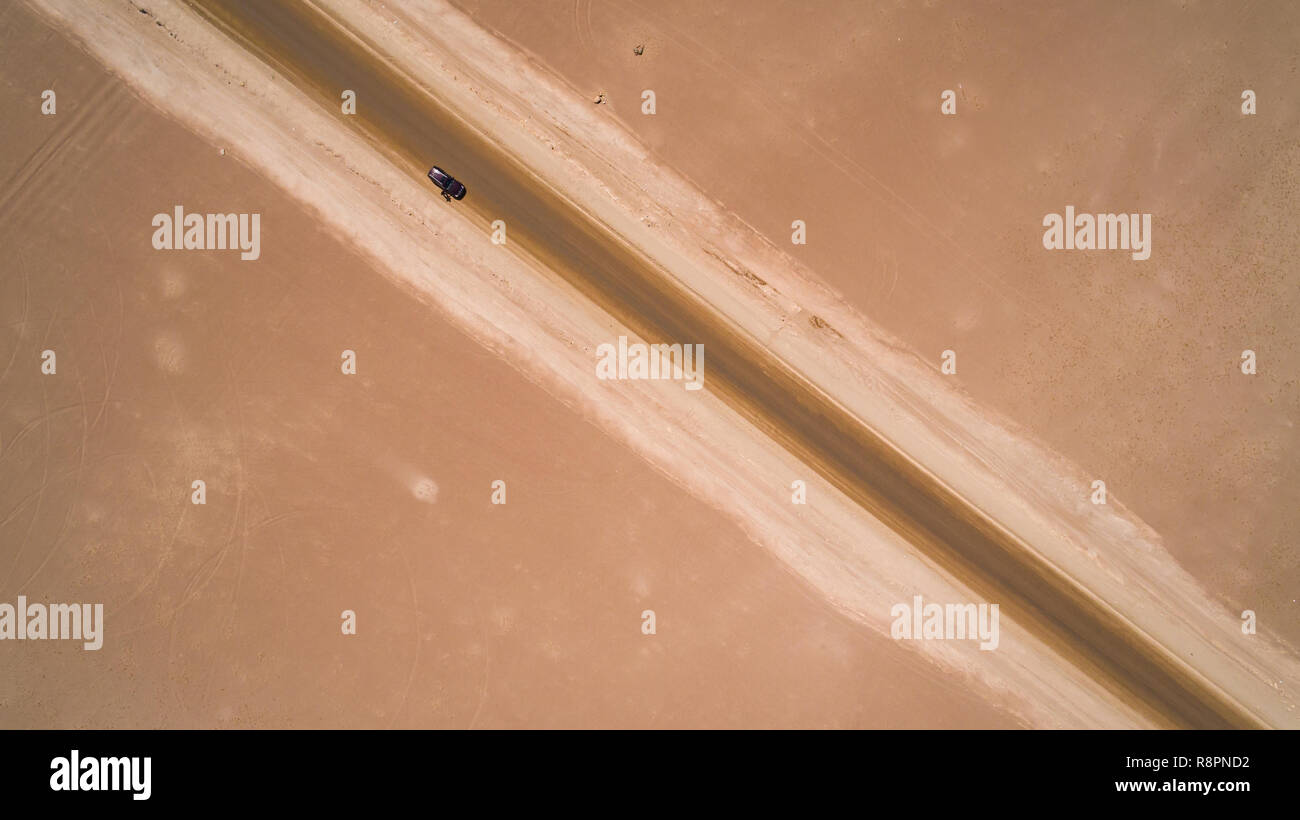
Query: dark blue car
x=451 y=188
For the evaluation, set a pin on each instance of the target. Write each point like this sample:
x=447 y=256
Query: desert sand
x=173 y=367
x=1006 y=460
x=928 y=226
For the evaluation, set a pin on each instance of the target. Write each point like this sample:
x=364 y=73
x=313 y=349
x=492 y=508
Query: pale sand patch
x=424 y=489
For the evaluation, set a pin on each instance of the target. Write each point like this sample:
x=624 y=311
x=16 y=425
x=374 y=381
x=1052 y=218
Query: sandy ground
x=928 y=225
x=176 y=366
x=844 y=558
x=994 y=463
